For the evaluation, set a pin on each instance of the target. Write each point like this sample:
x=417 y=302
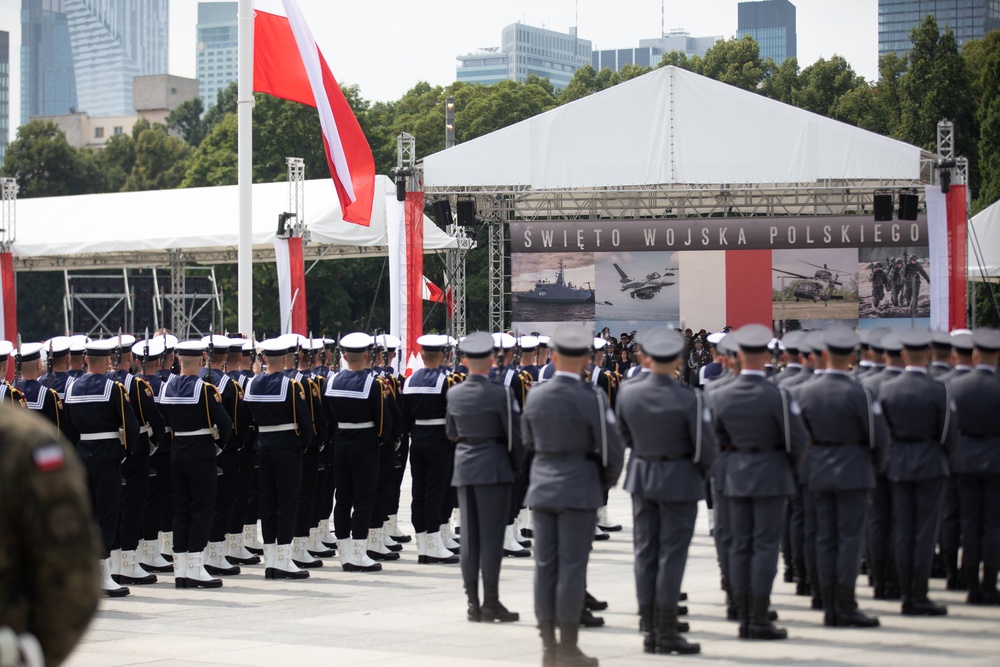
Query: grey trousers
x=756 y=525
x=916 y=507
x=661 y=537
x=562 y=549
x=840 y=530
x=484 y=518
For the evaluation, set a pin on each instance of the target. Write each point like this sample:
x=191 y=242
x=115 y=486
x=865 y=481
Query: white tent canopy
x=140 y=228
x=984 y=244
x=672 y=126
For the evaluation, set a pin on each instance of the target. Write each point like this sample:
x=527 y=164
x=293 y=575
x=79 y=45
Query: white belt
x=429 y=422
x=347 y=426
x=167 y=429
x=104 y=435
x=144 y=429
x=274 y=428
x=191 y=434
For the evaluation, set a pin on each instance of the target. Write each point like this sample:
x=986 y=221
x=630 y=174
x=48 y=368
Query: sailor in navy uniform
x=37 y=396
x=57 y=359
x=668 y=428
x=325 y=541
x=424 y=404
x=886 y=347
x=356 y=403
x=847 y=443
x=759 y=426
x=201 y=428
x=529 y=356
x=976 y=465
x=99 y=410
x=125 y=567
x=77 y=353
x=379 y=548
x=920 y=414
x=227 y=462
x=794 y=366
x=605 y=381
x=578 y=454
x=247 y=510
x=641 y=367
x=9 y=394
x=484 y=420
x=279 y=406
x=158 y=508
x=392 y=534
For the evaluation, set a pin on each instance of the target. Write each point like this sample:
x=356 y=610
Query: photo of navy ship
x=552 y=287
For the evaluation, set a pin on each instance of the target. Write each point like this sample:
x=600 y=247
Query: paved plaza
x=413 y=615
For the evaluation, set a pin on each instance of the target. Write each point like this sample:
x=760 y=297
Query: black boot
x=759 y=626
x=592 y=603
x=547 y=631
x=472 y=595
x=919 y=603
x=893 y=588
x=877 y=571
x=493 y=609
x=990 y=595
x=646 y=628
x=668 y=640
x=975 y=594
x=829 y=608
x=938 y=570
x=743 y=613
x=732 y=613
x=956 y=581
x=814 y=589
x=588 y=620
x=801 y=578
x=568 y=653
x=847 y=613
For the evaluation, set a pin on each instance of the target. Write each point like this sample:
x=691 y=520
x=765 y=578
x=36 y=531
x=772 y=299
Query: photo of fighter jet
x=639 y=286
x=644 y=288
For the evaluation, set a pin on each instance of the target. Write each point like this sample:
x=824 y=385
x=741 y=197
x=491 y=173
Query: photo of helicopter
x=811 y=284
x=812 y=287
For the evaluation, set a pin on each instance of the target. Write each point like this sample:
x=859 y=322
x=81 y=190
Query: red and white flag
x=946 y=230
x=432 y=292
x=8 y=303
x=291 y=285
x=287 y=63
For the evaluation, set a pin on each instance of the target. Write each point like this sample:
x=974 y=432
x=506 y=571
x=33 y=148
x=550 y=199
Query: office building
x=527 y=50
x=4 y=93
x=217 y=42
x=82 y=55
x=772 y=24
x=48 y=82
x=968 y=19
x=650 y=51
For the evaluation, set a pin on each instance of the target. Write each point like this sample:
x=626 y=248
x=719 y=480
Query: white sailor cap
x=543 y=341
x=528 y=342
x=124 y=341
x=432 y=342
x=101 y=348
x=312 y=344
x=959 y=332
x=503 y=341
x=774 y=344
x=148 y=348
x=275 y=347
x=6 y=347
x=169 y=341
x=388 y=341
x=78 y=344
x=190 y=348
x=29 y=351
x=218 y=343
x=58 y=346
x=715 y=338
x=599 y=343
x=356 y=342
x=236 y=343
x=249 y=345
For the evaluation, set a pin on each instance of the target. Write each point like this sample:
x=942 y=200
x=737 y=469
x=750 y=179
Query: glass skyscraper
x=968 y=19
x=217 y=44
x=772 y=24
x=83 y=54
x=528 y=50
x=48 y=82
x=4 y=93
x=650 y=51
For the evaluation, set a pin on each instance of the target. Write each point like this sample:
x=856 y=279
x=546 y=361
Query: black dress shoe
x=588 y=620
x=593 y=604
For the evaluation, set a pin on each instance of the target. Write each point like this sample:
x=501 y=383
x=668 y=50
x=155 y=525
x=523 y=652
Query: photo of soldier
x=890 y=282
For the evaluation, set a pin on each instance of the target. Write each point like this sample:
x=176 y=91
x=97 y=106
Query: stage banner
x=291 y=285
x=8 y=304
x=793 y=273
x=414 y=277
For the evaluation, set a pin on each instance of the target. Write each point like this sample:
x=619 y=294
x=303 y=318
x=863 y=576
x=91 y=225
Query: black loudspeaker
x=466 y=212
x=883 y=208
x=442 y=213
x=908 y=203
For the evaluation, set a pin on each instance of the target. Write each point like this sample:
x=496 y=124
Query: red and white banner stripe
x=8 y=303
x=288 y=64
x=405 y=228
x=291 y=285
x=946 y=229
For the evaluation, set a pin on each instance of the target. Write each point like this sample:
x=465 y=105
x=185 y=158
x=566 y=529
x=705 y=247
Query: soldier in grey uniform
x=920 y=414
x=759 y=425
x=578 y=453
x=977 y=468
x=668 y=428
x=950 y=532
x=485 y=421
x=847 y=441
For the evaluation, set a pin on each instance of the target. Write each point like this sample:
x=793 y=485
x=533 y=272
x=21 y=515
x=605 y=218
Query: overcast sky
x=389 y=45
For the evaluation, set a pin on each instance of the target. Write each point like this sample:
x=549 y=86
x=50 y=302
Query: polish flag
x=432 y=292
x=287 y=63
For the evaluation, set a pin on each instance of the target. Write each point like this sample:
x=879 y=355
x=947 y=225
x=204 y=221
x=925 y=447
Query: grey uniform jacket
x=709 y=393
x=485 y=415
x=977 y=400
x=753 y=414
x=922 y=424
x=847 y=433
x=578 y=450
x=669 y=430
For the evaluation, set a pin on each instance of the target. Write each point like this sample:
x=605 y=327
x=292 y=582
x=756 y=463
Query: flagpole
x=245 y=164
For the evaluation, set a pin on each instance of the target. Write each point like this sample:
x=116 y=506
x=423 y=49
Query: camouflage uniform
x=49 y=582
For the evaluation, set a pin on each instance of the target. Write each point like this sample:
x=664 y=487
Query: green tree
x=734 y=61
x=822 y=84
x=214 y=161
x=186 y=121
x=116 y=161
x=587 y=81
x=225 y=104
x=160 y=159
x=630 y=71
x=987 y=81
x=680 y=59
x=44 y=163
x=781 y=82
